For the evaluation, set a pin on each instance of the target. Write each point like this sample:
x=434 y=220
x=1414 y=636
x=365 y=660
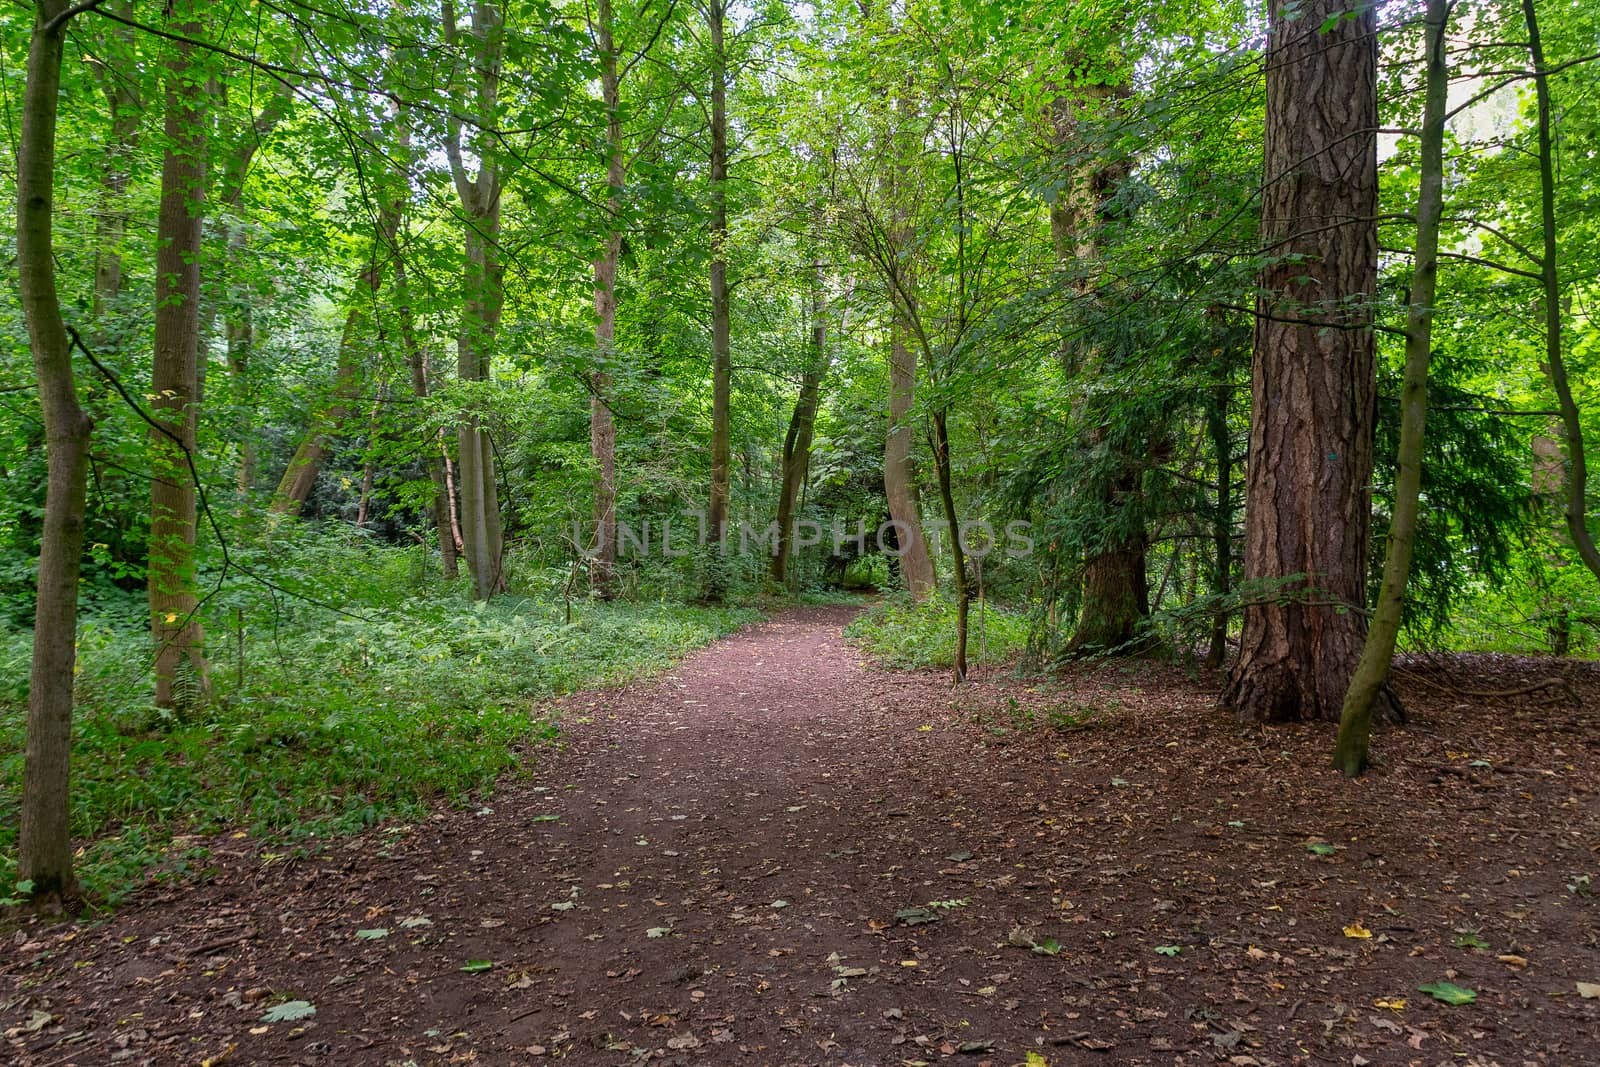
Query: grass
x=334 y=724
x=902 y=633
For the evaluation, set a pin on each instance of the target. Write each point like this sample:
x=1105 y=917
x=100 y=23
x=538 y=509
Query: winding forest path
x=710 y=871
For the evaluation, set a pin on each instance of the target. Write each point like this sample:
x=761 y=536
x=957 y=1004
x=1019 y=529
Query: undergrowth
x=902 y=633
x=321 y=723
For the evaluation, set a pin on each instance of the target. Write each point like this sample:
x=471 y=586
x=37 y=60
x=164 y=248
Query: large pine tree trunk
x=1313 y=382
x=1116 y=594
x=44 y=842
x=180 y=667
x=1115 y=589
x=721 y=355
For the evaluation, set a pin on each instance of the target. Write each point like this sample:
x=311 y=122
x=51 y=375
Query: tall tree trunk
x=1313 y=382
x=899 y=474
x=1555 y=367
x=721 y=357
x=802 y=424
x=602 y=424
x=899 y=471
x=958 y=555
x=180 y=666
x=480 y=505
x=44 y=843
x=1222 y=513
x=1377 y=655
x=239 y=323
x=300 y=476
x=443 y=508
x=483 y=299
x=1115 y=587
x=241 y=339
x=111 y=224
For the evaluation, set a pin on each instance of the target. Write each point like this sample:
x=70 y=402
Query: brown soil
x=709 y=872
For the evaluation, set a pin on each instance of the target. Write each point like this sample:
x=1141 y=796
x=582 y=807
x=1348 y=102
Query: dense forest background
x=405 y=331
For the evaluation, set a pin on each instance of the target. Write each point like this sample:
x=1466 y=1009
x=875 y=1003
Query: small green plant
x=903 y=633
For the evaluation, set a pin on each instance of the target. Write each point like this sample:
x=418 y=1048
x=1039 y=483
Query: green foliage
x=903 y=633
x=338 y=721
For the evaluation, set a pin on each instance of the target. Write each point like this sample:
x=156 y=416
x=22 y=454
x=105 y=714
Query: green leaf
x=915 y=916
x=477 y=966
x=545 y=818
x=1448 y=992
x=1471 y=941
x=1047 y=947
x=1168 y=950
x=658 y=931
x=373 y=934
x=1322 y=848
x=290 y=1011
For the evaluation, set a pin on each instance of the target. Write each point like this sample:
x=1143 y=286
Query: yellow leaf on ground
x=1392 y=1003
x=1357 y=930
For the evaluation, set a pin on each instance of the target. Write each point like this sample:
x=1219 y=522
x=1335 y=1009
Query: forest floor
x=778 y=854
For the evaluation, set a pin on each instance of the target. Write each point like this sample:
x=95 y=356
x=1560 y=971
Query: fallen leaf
x=1356 y=930
x=290 y=1011
x=1448 y=992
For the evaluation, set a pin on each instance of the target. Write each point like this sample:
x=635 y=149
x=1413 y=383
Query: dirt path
x=710 y=872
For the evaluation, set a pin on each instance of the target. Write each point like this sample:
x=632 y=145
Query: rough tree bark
x=1115 y=587
x=802 y=424
x=44 y=842
x=721 y=357
x=181 y=673
x=602 y=423
x=483 y=299
x=1313 y=381
x=1377 y=655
